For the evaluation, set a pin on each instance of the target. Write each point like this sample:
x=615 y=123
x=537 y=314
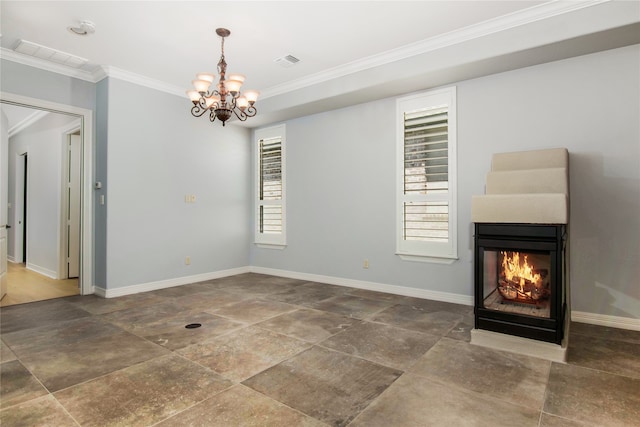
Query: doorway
x=74 y=224
x=25 y=174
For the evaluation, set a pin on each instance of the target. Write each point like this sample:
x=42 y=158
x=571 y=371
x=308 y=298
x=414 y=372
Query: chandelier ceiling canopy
x=225 y=98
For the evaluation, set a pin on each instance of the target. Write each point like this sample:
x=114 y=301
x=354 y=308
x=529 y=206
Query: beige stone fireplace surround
x=527 y=187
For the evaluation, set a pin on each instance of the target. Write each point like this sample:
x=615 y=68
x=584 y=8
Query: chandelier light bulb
x=242 y=102
x=193 y=95
x=251 y=95
x=233 y=86
x=201 y=86
x=238 y=77
x=210 y=77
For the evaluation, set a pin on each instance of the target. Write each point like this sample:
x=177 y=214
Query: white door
x=73 y=224
x=4 y=199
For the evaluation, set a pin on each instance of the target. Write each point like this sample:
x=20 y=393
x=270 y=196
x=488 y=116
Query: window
x=270 y=187
x=426 y=162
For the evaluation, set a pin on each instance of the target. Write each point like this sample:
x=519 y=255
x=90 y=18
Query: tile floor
x=282 y=352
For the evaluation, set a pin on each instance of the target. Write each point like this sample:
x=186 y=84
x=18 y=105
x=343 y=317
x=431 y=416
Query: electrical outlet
x=187 y=260
x=365 y=264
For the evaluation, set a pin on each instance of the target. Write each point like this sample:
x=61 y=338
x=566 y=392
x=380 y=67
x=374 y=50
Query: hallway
x=28 y=286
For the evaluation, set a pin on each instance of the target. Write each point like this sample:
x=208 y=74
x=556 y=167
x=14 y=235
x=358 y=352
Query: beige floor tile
x=17 y=385
x=506 y=376
x=244 y=353
x=308 y=325
x=387 y=345
x=43 y=411
x=593 y=397
x=142 y=394
x=63 y=366
x=137 y=319
x=240 y=406
x=98 y=305
x=617 y=357
x=32 y=315
x=596 y=331
x=307 y=294
x=6 y=354
x=352 y=306
x=414 y=401
x=327 y=385
x=173 y=334
x=547 y=420
x=410 y=317
x=49 y=336
x=210 y=300
x=253 y=310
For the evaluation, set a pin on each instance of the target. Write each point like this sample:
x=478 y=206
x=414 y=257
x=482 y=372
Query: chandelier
x=225 y=99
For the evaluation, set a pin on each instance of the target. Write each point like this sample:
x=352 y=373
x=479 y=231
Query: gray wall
x=100 y=175
x=40 y=84
x=341 y=195
x=157 y=154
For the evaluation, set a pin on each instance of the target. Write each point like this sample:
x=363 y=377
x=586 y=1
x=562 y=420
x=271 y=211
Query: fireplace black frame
x=549 y=238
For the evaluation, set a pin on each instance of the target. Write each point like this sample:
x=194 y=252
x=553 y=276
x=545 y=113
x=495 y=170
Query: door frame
x=63 y=244
x=87 y=255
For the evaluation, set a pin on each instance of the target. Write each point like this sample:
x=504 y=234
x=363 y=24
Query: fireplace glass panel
x=517 y=282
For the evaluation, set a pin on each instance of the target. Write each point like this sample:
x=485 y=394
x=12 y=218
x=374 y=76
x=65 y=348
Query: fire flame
x=515 y=272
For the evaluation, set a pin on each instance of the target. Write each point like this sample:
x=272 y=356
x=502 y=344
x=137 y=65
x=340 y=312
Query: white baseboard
x=41 y=270
x=370 y=286
x=11 y=259
x=576 y=316
x=162 y=284
x=606 y=320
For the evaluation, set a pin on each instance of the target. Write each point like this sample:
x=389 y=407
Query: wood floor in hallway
x=27 y=286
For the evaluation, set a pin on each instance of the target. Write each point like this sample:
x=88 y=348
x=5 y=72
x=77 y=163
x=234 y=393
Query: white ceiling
x=169 y=41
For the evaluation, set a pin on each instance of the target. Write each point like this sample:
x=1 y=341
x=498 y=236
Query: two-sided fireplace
x=520 y=247
x=520 y=280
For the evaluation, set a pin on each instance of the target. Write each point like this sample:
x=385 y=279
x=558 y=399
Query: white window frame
x=422 y=250
x=263 y=240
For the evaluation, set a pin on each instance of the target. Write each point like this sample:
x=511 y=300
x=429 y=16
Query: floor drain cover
x=193 y=325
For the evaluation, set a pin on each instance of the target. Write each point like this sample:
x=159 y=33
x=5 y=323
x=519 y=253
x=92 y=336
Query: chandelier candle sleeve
x=223 y=99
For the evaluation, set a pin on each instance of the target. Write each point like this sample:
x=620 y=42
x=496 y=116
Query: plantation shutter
x=426 y=175
x=270 y=185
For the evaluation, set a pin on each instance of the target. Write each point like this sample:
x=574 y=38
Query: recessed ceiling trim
x=492 y=26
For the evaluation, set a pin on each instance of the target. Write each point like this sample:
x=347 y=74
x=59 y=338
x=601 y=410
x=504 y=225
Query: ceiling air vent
x=38 y=51
x=287 y=61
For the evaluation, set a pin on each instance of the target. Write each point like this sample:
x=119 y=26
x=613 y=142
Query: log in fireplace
x=520 y=286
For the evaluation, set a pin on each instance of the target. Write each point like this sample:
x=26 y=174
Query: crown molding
x=492 y=26
x=26 y=122
x=496 y=25
x=140 y=80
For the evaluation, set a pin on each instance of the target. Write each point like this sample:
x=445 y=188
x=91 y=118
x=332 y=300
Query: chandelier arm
x=198 y=109
x=212 y=115
x=241 y=115
x=250 y=111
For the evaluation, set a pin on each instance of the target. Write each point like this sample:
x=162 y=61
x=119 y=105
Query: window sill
x=271 y=246
x=428 y=258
